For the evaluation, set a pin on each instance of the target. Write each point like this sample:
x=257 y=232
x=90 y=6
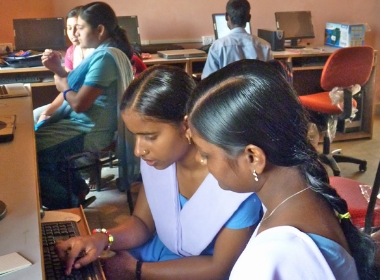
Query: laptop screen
x=221 y=28
x=131 y=26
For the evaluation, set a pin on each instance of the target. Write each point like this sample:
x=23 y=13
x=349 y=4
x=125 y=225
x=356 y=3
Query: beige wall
x=183 y=19
x=166 y=20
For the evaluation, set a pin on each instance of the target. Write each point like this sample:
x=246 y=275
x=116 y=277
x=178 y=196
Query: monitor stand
x=294 y=45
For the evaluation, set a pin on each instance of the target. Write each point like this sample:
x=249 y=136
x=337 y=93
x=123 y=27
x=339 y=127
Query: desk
x=20 y=229
x=307 y=68
x=42 y=93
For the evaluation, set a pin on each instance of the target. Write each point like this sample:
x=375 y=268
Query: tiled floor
x=111 y=208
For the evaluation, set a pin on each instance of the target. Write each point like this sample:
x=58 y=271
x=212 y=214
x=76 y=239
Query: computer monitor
x=38 y=34
x=131 y=26
x=297 y=25
x=221 y=28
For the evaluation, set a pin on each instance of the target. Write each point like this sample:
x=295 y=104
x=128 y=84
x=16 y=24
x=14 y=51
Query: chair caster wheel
x=363 y=167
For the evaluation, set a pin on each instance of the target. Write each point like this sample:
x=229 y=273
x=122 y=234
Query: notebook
x=186 y=53
x=13 y=90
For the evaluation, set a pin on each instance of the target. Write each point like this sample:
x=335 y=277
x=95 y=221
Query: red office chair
x=344 y=68
x=363 y=214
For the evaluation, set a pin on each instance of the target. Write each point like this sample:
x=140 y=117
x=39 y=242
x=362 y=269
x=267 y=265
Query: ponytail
x=119 y=35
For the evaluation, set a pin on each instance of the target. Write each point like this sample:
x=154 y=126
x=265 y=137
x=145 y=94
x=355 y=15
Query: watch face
x=3 y=210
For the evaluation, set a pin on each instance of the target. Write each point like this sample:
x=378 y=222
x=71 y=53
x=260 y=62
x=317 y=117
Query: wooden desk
x=42 y=93
x=19 y=230
x=307 y=67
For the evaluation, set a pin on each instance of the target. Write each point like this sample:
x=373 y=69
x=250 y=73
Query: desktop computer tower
x=275 y=38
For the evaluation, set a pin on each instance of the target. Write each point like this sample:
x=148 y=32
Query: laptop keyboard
x=54 y=268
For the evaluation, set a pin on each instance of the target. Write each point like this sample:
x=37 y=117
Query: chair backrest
x=372 y=202
x=347 y=67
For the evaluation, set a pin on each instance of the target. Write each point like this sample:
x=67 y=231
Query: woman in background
x=183 y=226
x=51 y=59
x=86 y=115
x=251 y=132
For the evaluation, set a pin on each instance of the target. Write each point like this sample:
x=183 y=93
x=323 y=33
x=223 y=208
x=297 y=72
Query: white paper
x=12 y=262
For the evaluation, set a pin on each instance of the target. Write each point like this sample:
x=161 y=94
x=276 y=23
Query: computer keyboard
x=54 y=268
x=24 y=80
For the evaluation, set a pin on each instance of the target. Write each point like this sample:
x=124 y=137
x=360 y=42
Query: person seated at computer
x=251 y=132
x=51 y=59
x=182 y=226
x=238 y=44
x=87 y=116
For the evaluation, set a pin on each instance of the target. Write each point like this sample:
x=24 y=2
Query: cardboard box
x=343 y=35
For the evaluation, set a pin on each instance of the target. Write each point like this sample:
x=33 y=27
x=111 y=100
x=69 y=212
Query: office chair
x=121 y=150
x=364 y=214
x=344 y=68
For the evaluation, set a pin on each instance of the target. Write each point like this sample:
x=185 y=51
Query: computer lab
x=117 y=118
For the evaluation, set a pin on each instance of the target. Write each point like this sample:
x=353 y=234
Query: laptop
x=185 y=53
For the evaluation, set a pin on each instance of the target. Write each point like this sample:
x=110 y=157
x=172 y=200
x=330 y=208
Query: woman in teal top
x=84 y=115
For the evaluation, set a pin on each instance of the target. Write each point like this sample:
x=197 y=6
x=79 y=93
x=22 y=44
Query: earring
x=188 y=139
x=255 y=175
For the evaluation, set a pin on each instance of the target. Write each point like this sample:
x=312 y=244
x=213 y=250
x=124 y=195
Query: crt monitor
x=38 y=34
x=131 y=26
x=296 y=25
x=221 y=28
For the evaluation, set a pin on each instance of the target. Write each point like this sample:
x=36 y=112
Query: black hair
x=73 y=12
x=160 y=92
x=284 y=67
x=100 y=13
x=251 y=102
x=238 y=11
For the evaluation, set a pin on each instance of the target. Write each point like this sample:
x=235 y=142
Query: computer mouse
x=3 y=210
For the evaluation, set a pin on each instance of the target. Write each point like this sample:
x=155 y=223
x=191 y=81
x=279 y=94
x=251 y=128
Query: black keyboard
x=24 y=80
x=54 y=268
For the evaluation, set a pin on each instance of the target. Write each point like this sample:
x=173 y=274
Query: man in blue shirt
x=238 y=44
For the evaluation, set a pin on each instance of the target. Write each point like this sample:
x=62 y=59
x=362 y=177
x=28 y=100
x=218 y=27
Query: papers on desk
x=12 y=262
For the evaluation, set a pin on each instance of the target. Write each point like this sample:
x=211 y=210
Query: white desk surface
x=20 y=230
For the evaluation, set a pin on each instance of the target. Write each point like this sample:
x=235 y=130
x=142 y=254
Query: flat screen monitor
x=131 y=26
x=221 y=28
x=296 y=25
x=38 y=34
